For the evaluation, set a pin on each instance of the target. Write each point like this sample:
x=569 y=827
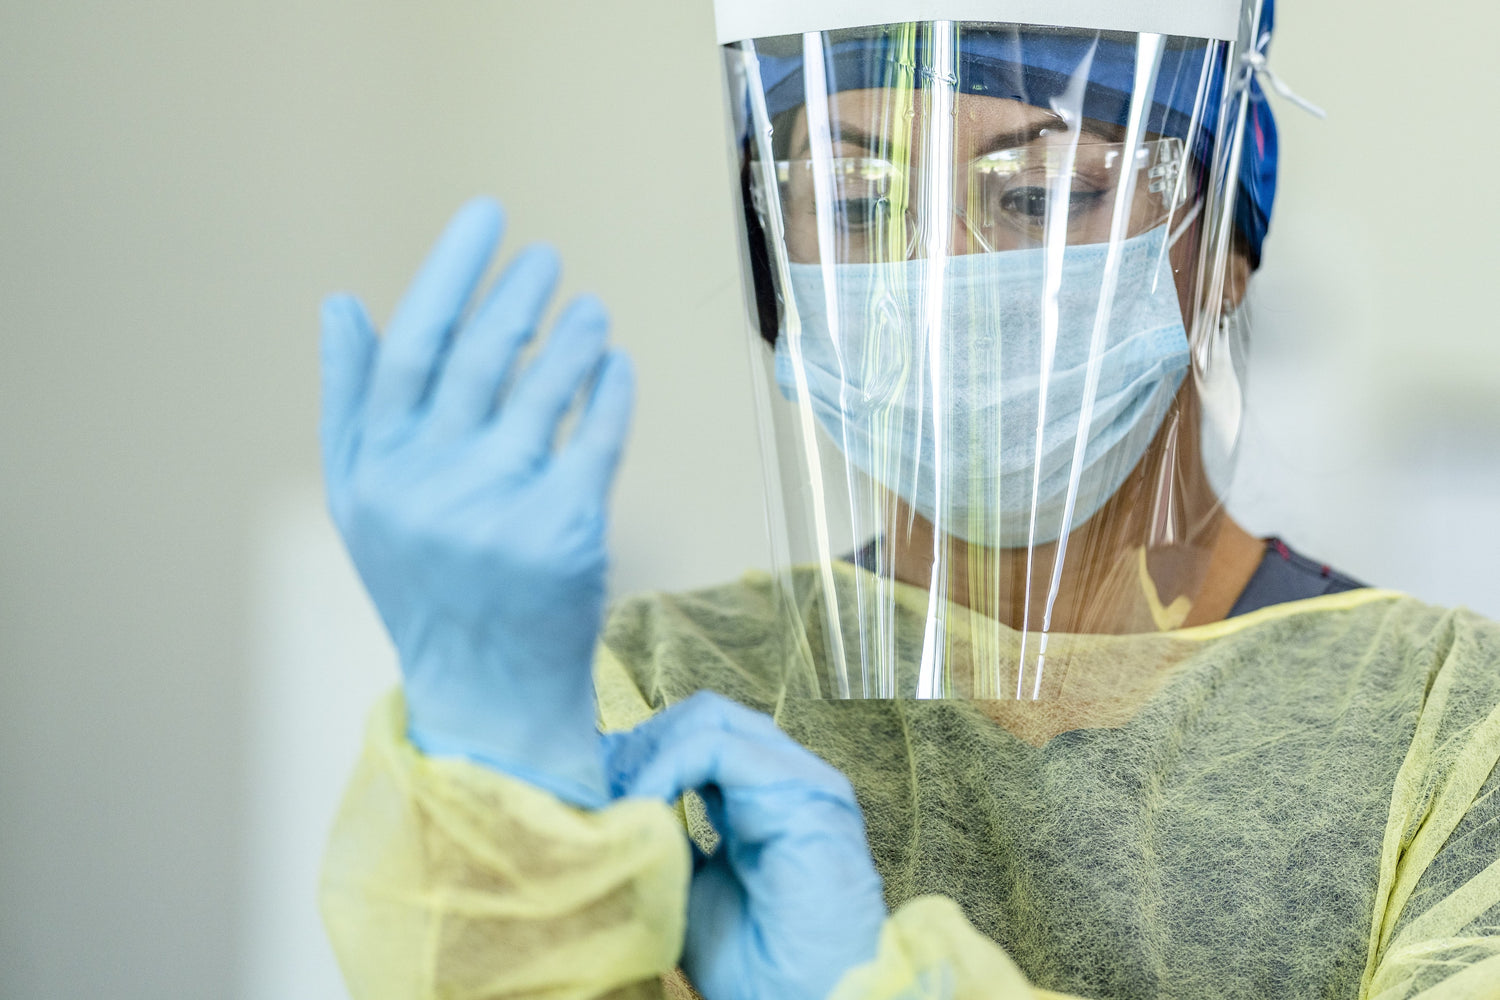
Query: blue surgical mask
x=950 y=422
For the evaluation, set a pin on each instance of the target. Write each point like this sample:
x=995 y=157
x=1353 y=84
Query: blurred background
x=185 y=655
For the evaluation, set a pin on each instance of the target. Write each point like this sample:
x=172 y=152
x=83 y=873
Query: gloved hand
x=790 y=900
x=480 y=538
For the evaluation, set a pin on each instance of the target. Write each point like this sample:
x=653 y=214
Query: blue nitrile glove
x=480 y=538
x=790 y=900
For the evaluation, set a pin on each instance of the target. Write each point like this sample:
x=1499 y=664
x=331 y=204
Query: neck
x=1112 y=589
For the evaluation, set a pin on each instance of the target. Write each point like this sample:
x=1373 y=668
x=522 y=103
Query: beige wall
x=1375 y=389
x=183 y=654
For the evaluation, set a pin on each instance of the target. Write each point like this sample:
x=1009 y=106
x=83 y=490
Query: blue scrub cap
x=1035 y=64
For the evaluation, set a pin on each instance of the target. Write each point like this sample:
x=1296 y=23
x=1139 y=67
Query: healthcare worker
x=1019 y=710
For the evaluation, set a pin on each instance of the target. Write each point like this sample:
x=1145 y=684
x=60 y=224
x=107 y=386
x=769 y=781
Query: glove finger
x=486 y=349
x=708 y=740
x=590 y=460
x=629 y=752
x=347 y=348
x=530 y=416
x=706 y=709
x=699 y=759
x=418 y=334
x=764 y=798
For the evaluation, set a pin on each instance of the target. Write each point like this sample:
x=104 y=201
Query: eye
x=1029 y=203
x=863 y=212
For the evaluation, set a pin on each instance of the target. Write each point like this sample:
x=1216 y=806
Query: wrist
x=577 y=779
x=527 y=716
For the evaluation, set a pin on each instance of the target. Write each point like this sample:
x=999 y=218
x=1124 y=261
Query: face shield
x=992 y=271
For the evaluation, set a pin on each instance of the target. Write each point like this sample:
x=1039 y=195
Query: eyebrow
x=843 y=132
x=854 y=135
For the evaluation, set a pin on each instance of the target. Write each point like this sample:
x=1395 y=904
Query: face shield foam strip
x=739 y=20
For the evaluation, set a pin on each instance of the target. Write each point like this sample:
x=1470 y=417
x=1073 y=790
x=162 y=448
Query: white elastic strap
x=1257 y=65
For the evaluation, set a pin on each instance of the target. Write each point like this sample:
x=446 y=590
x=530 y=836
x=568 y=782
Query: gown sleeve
x=1436 y=933
x=447 y=879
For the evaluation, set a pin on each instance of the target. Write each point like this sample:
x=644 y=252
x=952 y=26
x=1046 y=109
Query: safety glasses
x=868 y=210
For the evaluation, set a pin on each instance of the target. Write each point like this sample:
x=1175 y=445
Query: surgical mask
x=977 y=426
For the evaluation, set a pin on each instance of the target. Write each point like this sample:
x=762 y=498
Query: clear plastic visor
x=987 y=266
